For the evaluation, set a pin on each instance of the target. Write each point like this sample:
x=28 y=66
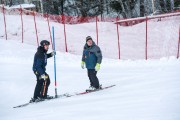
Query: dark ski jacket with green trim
x=91 y=56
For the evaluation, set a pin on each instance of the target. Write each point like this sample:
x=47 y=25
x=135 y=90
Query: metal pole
x=118 y=39
x=146 y=38
x=65 y=33
x=97 y=28
x=4 y=22
x=35 y=28
x=49 y=29
x=22 y=24
x=178 y=44
x=54 y=48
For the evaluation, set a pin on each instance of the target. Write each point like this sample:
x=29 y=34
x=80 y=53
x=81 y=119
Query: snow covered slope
x=145 y=90
x=163 y=36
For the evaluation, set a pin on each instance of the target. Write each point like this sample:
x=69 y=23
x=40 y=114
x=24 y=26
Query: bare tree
x=10 y=3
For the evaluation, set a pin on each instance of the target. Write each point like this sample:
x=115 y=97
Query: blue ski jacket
x=91 y=56
x=40 y=61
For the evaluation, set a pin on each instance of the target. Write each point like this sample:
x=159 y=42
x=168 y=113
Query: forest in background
x=103 y=8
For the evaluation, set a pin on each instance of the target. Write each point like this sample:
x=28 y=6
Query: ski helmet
x=44 y=42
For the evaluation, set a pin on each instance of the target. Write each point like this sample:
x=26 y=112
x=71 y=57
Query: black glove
x=53 y=53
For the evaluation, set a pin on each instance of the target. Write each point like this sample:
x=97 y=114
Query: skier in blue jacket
x=39 y=69
x=92 y=58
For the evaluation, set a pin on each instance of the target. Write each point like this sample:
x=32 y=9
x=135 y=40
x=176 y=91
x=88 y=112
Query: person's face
x=89 y=42
x=46 y=47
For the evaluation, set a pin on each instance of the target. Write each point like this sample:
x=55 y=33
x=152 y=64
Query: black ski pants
x=41 y=88
x=93 y=78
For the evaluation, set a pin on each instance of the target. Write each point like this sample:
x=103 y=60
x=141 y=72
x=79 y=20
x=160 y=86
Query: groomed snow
x=145 y=90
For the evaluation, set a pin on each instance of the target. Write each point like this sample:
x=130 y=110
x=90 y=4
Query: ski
x=90 y=91
x=23 y=105
x=64 y=95
x=26 y=104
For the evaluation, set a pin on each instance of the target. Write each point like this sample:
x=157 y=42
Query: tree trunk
x=172 y=5
x=62 y=7
x=107 y=7
x=163 y=5
x=129 y=11
x=10 y=3
x=142 y=10
x=123 y=9
x=41 y=3
x=101 y=8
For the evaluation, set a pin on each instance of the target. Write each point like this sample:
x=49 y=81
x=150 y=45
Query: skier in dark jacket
x=39 y=69
x=92 y=58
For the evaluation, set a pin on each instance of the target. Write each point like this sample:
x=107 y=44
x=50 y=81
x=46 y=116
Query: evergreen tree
x=111 y=8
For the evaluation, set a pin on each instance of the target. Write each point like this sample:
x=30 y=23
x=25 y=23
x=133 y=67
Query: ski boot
x=47 y=97
x=38 y=99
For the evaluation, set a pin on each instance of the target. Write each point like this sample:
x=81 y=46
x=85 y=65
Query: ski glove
x=97 y=68
x=44 y=77
x=35 y=72
x=53 y=53
x=82 y=64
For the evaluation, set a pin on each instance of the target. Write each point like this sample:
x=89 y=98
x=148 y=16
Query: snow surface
x=145 y=90
x=21 y=5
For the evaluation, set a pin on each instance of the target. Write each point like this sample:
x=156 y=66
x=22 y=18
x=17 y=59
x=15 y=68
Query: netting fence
x=149 y=37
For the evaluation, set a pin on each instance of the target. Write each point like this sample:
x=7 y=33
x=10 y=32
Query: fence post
x=22 y=24
x=63 y=17
x=118 y=39
x=4 y=22
x=49 y=30
x=35 y=28
x=178 y=44
x=97 y=28
x=146 y=51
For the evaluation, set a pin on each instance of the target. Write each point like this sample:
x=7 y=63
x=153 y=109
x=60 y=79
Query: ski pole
x=54 y=48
